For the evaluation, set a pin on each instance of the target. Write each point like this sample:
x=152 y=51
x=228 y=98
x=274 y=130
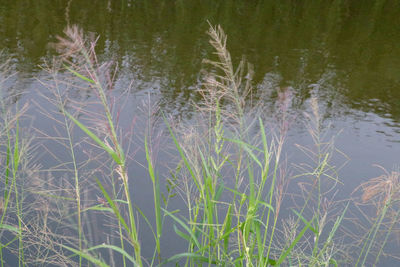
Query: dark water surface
x=346 y=53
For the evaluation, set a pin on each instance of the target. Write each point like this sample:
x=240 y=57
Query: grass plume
x=229 y=170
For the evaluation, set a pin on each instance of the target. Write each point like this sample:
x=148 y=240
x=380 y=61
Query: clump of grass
x=318 y=182
x=230 y=173
x=239 y=229
x=82 y=62
x=223 y=160
x=233 y=182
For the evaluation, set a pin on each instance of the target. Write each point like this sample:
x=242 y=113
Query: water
x=344 y=53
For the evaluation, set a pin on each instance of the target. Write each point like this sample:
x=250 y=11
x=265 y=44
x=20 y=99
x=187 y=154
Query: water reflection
x=345 y=52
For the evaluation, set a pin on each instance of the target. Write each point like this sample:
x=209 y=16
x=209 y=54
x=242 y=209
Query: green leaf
x=334 y=262
x=113 y=206
x=193 y=237
x=305 y=221
x=271 y=261
x=149 y=162
x=10 y=228
x=182 y=234
x=94 y=137
x=9 y=242
x=227 y=228
x=193 y=256
x=248 y=149
x=156 y=190
x=295 y=241
x=120 y=201
x=147 y=221
x=79 y=75
x=265 y=204
x=99 y=208
x=220 y=190
x=117 y=249
x=87 y=256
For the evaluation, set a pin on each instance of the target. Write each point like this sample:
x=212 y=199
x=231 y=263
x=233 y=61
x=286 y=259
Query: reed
x=241 y=230
x=230 y=172
x=75 y=46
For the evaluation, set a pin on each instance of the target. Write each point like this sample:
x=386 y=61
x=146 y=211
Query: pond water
x=345 y=53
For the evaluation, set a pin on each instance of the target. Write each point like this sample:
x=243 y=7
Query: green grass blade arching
x=10 y=228
x=188 y=255
x=94 y=137
x=87 y=256
x=113 y=206
x=117 y=249
x=179 y=221
x=80 y=75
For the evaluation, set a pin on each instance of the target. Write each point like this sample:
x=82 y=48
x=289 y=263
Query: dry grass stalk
x=383 y=188
x=226 y=86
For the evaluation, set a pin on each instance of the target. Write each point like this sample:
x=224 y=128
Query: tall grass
x=230 y=172
x=225 y=160
x=239 y=220
x=14 y=154
x=114 y=149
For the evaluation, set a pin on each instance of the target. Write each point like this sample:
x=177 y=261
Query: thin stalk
x=375 y=230
x=156 y=197
x=121 y=236
x=117 y=154
x=75 y=168
x=134 y=235
x=15 y=162
x=277 y=158
x=394 y=221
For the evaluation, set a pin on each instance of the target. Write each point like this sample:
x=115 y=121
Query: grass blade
x=10 y=228
x=295 y=241
x=94 y=137
x=79 y=75
x=188 y=255
x=193 y=237
x=117 y=249
x=113 y=206
x=87 y=256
